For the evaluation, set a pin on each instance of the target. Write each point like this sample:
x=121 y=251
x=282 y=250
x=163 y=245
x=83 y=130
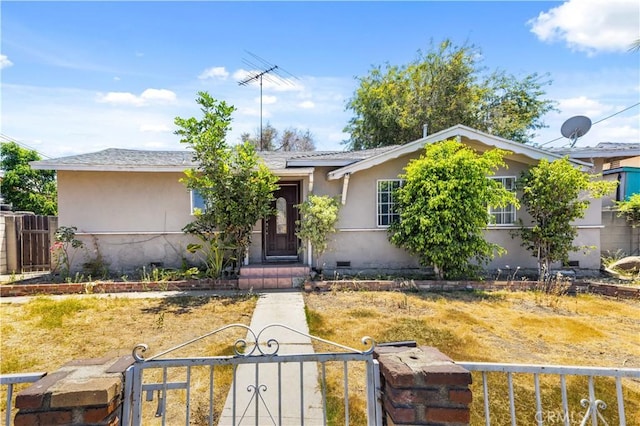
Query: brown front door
x=280 y=238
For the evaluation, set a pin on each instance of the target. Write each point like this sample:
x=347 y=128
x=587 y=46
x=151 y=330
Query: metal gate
x=260 y=383
x=33 y=243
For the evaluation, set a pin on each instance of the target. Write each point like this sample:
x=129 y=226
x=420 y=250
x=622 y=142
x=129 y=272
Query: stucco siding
x=368 y=249
x=123 y=201
x=136 y=218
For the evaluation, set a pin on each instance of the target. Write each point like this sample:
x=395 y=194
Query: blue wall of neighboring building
x=629 y=178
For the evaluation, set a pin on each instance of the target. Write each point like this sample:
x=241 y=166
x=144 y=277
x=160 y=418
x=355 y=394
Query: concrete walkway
x=285 y=308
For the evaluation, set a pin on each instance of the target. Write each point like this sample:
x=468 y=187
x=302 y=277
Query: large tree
x=443 y=207
x=442 y=88
x=555 y=194
x=291 y=139
x=23 y=187
x=236 y=187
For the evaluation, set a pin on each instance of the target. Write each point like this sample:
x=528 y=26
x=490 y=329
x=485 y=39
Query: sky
x=82 y=76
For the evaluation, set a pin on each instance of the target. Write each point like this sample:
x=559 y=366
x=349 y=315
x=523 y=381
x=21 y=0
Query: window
x=387 y=211
x=281 y=216
x=197 y=202
x=504 y=215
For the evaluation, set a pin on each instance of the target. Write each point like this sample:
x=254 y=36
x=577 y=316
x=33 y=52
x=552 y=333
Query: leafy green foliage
x=443 y=88
x=555 y=194
x=64 y=249
x=236 y=188
x=630 y=209
x=443 y=207
x=212 y=253
x=319 y=214
x=26 y=189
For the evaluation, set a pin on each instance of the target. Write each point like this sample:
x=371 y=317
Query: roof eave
x=452 y=132
x=319 y=163
x=106 y=168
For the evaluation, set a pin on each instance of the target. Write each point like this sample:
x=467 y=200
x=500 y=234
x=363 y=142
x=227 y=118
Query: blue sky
x=79 y=77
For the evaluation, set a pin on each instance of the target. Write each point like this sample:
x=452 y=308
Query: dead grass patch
x=497 y=327
x=47 y=332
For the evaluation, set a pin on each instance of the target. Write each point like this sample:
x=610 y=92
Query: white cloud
x=120 y=98
x=306 y=105
x=145 y=98
x=582 y=105
x=116 y=78
x=267 y=100
x=590 y=26
x=158 y=128
x=5 y=62
x=214 y=72
x=158 y=95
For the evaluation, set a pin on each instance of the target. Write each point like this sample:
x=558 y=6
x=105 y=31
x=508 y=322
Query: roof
x=116 y=159
x=609 y=150
x=459 y=131
x=291 y=162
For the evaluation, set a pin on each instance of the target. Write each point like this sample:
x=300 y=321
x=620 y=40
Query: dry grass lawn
x=501 y=327
x=45 y=333
x=496 y=327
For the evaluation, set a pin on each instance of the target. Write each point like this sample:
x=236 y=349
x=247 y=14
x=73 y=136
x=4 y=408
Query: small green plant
x=212 y=253
x=64 y=249
x=319 y=215
x=95 y=265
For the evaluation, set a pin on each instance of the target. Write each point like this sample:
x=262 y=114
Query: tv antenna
x=575 y=127
x=265 y=70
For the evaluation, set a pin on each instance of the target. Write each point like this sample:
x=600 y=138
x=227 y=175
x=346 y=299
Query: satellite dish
x=575 y=127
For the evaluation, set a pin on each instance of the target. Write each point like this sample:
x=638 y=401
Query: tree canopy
x=441 y=88
x=443 y=207
x=23 y=187
x=236 y=187
x=291 y=139
x=555 y=194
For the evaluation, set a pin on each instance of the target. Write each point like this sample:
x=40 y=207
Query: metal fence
x=585 y=403
x=271 y=383
x=10 y=380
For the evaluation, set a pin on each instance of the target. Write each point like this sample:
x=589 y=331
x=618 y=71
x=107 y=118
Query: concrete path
x=288 y=309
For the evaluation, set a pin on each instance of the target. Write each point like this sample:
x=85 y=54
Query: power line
x=22 y=144
x=596 y=122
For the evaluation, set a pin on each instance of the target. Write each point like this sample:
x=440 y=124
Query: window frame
x=391 y=203
x=502 y=211
x=194 y=195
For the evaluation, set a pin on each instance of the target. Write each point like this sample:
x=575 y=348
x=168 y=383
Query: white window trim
x=377 y=214
x=515 y=210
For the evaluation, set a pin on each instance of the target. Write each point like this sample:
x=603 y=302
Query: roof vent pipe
x=425 y=130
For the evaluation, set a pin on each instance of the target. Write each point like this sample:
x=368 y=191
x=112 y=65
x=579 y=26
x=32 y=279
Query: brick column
x=422 y=386
x=82 y=392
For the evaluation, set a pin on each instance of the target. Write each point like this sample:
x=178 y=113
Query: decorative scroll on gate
x=284 y=379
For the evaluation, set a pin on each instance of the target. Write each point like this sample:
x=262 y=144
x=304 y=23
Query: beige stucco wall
x=360 y=241
x=134 y=218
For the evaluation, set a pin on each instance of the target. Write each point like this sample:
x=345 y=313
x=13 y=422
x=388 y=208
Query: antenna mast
x=265 y=68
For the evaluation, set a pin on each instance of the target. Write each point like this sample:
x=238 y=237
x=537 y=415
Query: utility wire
x=24 y=145
x=596 y=122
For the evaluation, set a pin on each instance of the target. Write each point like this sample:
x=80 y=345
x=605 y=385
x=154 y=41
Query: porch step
x=272 y=276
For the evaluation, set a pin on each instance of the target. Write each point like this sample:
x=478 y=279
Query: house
x=132 y=206
x=618 y=162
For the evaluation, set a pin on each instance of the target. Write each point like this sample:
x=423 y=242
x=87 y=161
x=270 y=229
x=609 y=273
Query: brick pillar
x=82 y=392
x=422 y=386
